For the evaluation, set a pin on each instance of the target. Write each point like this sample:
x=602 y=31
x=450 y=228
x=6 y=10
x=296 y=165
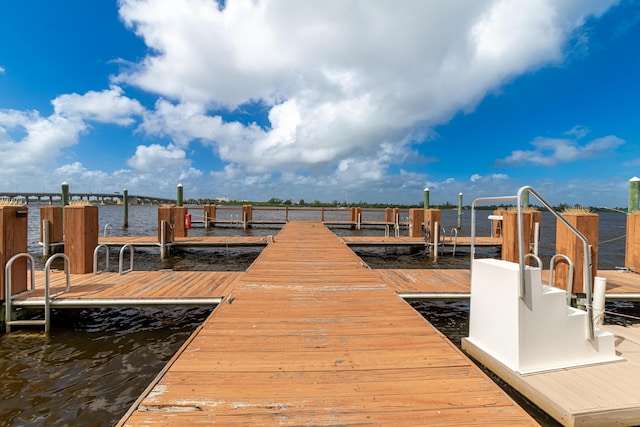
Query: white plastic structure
x=537 y=332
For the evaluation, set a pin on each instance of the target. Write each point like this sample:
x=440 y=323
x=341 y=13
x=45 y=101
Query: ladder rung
x=27 y=322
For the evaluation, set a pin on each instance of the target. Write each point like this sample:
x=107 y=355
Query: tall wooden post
x=165 y=213
x=125 y=202
x=388 y=216
x=426 y=199
x=13 y=241
x=431 y=219
x=52 y=214
x=459 y=224
x=510 y=248
x=496 y=224
x=179 y=213
x=179 y=195
x=632 y=248
x=568 y=244
x=211 y=212
x=80 y=237
x=634 y=194
x=416 y=220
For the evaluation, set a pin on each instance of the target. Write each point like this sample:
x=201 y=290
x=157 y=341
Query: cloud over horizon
x=337 y=93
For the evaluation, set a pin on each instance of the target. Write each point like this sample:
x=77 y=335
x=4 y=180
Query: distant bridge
x=52 y=198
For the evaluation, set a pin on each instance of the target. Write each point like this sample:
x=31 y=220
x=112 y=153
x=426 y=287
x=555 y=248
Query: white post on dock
x=46 y=243
x=599 y=289
x=436 y=238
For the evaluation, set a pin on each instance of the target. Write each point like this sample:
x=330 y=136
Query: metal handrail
x=518 y=198
x=67 y=270
x=536 y=257
x=95 y=258
x=107 y=227
x=552 y=267
x=121 y=259
x=7 y=285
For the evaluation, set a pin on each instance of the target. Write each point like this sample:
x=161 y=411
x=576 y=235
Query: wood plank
x=311 y=335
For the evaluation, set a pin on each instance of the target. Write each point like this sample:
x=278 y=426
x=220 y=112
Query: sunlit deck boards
x=191 y=241
x=597 y=395
x=311 y=336
x=418 y=241
x=136 y=288
x=447 y=284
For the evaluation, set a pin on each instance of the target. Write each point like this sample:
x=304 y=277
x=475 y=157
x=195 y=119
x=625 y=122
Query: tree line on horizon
x=277 y=202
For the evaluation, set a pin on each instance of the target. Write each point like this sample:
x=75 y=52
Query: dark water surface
x=95 y=363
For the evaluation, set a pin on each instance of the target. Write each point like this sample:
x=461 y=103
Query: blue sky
x=322 y=100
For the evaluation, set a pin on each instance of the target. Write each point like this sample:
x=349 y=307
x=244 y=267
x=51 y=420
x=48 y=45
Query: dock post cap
x=635 y=178
x=179 y=185
x=64 y=183
x=460 y=193
x=426 y=188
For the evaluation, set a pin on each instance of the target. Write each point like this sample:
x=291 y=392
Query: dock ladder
x=46 y=322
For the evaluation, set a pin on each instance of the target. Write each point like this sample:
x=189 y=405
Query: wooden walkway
x=133 y=289
x=191 y=241
x=461 y=241
x=309 y=335
x=606 y=394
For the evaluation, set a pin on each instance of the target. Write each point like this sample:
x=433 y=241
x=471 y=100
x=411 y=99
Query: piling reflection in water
x=95 y=363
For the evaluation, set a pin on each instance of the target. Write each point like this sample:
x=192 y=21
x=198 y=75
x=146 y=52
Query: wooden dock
x=309 y=335
x=606 y=394
x=191 y=241
x=461 y=241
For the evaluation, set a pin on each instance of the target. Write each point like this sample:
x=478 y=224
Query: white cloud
x=551 y=151
x=108 y=106
x=2 y=70
x=29 y=142
x=340 y=79
x=156 y=158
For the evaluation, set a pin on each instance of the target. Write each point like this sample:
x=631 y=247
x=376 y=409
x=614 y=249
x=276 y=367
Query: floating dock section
x=309 y=335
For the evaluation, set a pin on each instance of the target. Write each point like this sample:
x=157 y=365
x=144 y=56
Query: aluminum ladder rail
x=46 y=322
x=587 y=258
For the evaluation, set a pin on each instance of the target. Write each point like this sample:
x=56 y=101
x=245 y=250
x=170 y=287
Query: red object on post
x=187 y=221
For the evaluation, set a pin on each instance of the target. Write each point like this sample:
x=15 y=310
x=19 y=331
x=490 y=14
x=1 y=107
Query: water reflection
x=95 y=363
x=91 y=367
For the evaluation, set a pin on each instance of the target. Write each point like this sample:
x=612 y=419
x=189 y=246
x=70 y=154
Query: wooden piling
x=80 y=237
x=496 y=224
x=388 y=215
x=52 y=214
x=13 y=241
x=165 y=213
x=431 y=220
x=179 y=229
x=125 y=204
x=568 y=244
x=510 y=248
x=211 y=212
x=416 y=221
x=632 y=248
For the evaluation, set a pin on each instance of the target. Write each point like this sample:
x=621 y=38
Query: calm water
x=95 y=363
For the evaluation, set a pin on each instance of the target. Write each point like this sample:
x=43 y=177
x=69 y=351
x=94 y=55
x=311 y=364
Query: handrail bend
x=95 y=258
x=587 y=259
x=7 y=285
x=121 y=260
x=552 y=267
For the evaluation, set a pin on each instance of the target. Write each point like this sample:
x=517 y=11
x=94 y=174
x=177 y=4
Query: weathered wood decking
x=309 y=335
